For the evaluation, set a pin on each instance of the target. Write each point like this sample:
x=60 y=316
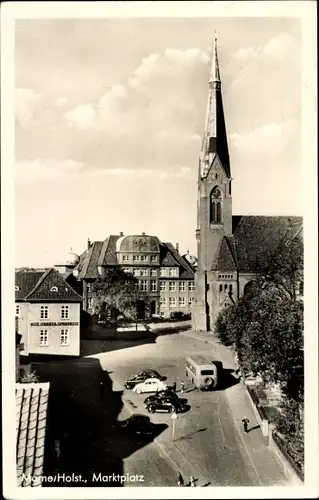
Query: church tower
x=214 y=203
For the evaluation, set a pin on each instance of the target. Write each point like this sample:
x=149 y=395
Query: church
x=228 y=246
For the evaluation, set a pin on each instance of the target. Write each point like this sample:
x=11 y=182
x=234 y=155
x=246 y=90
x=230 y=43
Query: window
x=163 y=271
x=172 y=301
x=153 y=258
x=89 y=287
x=181 y=302
x=172 y=272
x=229 y=188
x=191 y=286
x=44 y=337
x=64 y=312
x=127 y=270
x=215 y=211
x=154 y=272
x=44 y=312
x=54 y=289
x=301 y=288
x=190 y=301
x=225 y=287
x=17 y=310
x=230 y=289
x=136 y=272
x=220 y=288
x=136 y=258
x=172 y=286
x=144 y=272
x=163 y=301
x=142 y=285
x=90 y=303
x=219 y=212
x=153 y=285
x=162 y=286
x=144 y=258
x=182 y=286
x=125 y=258
x=64 y=337
x=16 y=288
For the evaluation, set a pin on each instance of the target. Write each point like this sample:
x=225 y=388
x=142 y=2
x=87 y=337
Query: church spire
x=215 y=137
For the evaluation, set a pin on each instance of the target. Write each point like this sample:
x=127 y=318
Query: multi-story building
x=48 y=312
x=164 y=277
x=228 y=246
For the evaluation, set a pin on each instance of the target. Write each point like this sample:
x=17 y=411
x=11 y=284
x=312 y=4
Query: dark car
x=166 y=404
x=139 y=424
x=141 y=377
x=160 y=395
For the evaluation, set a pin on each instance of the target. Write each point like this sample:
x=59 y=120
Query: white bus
x=202 y=372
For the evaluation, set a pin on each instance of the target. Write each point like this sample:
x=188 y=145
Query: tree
x=115 y=291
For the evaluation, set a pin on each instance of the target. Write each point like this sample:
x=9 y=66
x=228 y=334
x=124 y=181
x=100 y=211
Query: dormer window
x=16 y=288
x=54 y=289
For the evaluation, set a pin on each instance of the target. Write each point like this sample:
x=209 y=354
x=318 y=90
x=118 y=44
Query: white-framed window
x=90 y=303
x=142 y=285
x=162 y=286
x=144 y=272
x=163 y=271
x=182 y=286
x=136 y=258
x=172 y=286
x=125 y=258
x=153 y=258
x=54 y=289
x=172 y=301
x=191 y=286
x=172 y=272
x=163 y=301
x=190 y=301
x=153 y=285
x=64 y=337
x=64 y=312
x=136 y=272
x=44 y=312
x=89 y=287
x=301 y=288
x=127 y=270
x=44 y=339
x=181 y=302
x=153 y=272
x=144 y=258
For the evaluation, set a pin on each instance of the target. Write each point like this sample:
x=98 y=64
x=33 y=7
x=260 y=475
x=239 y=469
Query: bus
x=202 y=372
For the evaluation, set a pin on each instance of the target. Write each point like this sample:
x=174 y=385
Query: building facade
x=228 y=246
x=48 y=313
x=165 y=278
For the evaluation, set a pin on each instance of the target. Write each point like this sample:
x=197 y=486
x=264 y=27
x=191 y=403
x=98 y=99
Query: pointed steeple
x=215 y=137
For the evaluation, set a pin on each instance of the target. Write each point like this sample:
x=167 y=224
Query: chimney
x=143 y=234
x=121 y=233
x=177 y=246
x=89 y=244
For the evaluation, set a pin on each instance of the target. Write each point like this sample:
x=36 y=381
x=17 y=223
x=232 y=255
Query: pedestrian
x=180 y=480
x=182 y=387
x=102 y=389
x=192 y=481
x=245 y=422
x=174 y=385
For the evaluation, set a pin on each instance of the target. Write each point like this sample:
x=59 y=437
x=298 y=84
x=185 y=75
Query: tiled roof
x=31 y=417
x=42 y=289
x=26 y=281
x=255 y=238
x=108 y=251
x=186 y=270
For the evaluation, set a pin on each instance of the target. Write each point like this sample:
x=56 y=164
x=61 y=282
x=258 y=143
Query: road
x=208 y=442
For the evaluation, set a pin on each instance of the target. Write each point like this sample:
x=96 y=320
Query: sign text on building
x=60 y=323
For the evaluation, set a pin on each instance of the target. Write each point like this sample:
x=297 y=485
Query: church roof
x=254 y=239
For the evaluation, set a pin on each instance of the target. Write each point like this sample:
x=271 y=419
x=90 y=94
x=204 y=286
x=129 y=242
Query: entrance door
x=140 y=307
x=153 y=307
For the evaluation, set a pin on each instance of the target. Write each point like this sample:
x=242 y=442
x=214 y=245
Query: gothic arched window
x=216 y=206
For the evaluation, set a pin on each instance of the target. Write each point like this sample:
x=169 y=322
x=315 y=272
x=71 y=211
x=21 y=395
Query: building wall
x=31 y=325
x=23 y=325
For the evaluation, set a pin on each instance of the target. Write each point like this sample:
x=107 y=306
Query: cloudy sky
x=109 y=116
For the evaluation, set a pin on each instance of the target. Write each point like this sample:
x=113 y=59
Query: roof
x=31 y=419
x=104 y=254
x=254 y=239
x=36 y=286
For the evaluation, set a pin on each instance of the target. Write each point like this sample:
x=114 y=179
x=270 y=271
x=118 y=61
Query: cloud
x=46 y=169
x=26 y=103
x=60 y=101
x=278 y=49
x=247 y=53
x=82 y=116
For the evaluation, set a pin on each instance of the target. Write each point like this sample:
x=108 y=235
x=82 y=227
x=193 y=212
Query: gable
x=26 y=281
x=43 y=289
x=225 y=258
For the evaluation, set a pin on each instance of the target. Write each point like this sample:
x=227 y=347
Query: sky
x=109 y=119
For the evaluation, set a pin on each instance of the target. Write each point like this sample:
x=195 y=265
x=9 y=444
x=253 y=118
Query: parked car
x=139 y=424
x=141 y=377
x=167 y=405
x=160 y=395
x=150 y=385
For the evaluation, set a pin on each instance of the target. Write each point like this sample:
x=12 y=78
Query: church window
x=220 y=288
x=230 y=288
x=216 y=176
x=225 y=287
x=219 y=213
x=215 y=206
